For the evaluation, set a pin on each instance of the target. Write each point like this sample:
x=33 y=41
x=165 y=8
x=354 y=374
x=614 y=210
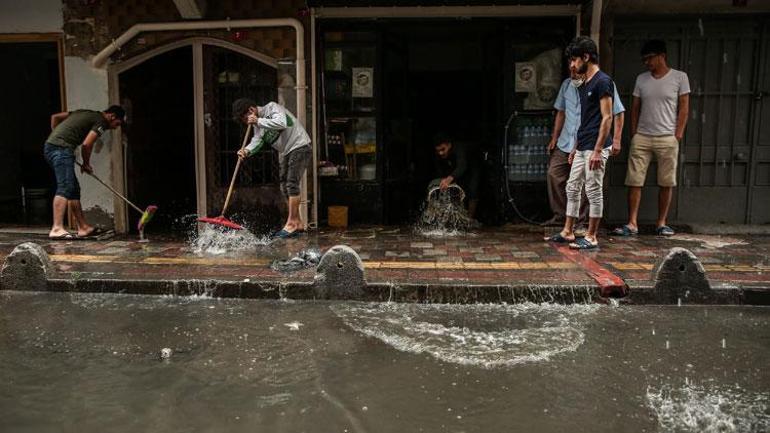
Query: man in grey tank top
x=658 y=118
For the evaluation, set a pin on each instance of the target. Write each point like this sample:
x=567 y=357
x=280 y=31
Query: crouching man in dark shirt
x=456 y=162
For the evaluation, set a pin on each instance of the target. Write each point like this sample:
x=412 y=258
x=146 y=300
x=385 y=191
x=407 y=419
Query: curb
x=638 y=294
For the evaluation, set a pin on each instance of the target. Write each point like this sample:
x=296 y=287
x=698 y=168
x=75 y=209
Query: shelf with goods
x=350 y=149
x=527 y=152
x=349 y=108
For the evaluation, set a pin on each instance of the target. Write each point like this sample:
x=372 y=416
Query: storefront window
x=350 y=147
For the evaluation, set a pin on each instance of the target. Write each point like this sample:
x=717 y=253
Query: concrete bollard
x=340 y=274
x=26 y=268
x=680 y=277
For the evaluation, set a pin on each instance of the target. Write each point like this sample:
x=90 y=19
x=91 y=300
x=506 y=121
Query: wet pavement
x=490 y=257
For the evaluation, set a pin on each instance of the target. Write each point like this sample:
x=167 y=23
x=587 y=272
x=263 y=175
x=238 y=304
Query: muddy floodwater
x=107 y=363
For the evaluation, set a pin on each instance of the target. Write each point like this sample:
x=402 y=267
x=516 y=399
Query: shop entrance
x=31 y=87
x=159 y=138
x=454 y=77
x=442 y=79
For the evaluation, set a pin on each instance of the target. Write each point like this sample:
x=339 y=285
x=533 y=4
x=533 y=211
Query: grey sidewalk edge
x=638 y=294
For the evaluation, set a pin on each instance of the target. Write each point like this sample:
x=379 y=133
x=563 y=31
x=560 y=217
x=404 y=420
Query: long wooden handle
x=113 y=190
x=235 y=172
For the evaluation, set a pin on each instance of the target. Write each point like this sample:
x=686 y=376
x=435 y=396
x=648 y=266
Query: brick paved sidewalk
x=511 y=256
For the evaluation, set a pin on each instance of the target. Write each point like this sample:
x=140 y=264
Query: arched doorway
x=159 y=138
x=179 y=143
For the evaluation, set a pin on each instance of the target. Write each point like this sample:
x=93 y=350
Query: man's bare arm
x=58 y=118
x=558 y=124
x=683 y=113
x=636 y=106
x=86 y=148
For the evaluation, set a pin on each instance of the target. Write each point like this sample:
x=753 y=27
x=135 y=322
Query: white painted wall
x=87 y=88
x=31 y=16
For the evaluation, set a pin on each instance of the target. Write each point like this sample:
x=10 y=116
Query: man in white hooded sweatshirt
x=276 y=126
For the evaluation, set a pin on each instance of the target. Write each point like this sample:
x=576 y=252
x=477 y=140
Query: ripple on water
x=213 y=240
x=702 y=409
x=487 y=336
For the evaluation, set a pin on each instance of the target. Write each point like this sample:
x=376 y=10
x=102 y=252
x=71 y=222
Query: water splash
x=693 y=408
x=443 y=215
x=488 y=336
x=304 y=259
x=213 y=240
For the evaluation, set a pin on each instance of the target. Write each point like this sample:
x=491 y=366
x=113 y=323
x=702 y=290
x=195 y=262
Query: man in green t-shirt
x=70 y=130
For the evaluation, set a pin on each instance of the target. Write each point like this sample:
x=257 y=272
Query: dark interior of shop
x=453 y=76
x=29 y=85
x=160 y=149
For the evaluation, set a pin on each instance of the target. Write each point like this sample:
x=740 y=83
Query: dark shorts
x=293 y=166
x=62 y=161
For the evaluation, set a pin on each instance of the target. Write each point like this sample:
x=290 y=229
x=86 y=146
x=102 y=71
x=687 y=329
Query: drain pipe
x=101 y=58
x=596 y=20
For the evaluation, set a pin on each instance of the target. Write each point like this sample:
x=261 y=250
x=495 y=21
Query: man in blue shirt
x=563 y=141
x=593 y=142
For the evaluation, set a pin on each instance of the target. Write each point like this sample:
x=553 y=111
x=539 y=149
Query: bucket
x=37 y=206
x=338 y=216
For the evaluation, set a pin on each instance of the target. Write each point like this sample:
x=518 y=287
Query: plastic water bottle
x=539 y=137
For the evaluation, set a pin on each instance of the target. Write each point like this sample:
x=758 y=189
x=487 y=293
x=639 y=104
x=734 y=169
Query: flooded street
x=95 y=363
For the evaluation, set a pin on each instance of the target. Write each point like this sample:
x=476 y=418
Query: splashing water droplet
x=444 y=215
x=215 y=241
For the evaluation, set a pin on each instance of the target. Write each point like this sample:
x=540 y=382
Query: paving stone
x=114 y=251
x=421 y=245
x=434 y=252
x=449 y=259
x=488 y=258
x=525 y=254
x=474 y=250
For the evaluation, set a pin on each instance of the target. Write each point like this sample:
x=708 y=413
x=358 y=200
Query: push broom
x=147 y=214
x=221 y=220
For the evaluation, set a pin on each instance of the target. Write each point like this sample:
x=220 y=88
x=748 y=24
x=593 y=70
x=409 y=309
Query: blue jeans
x=62 y=161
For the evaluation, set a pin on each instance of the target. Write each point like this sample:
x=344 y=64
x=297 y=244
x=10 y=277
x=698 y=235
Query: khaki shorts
x=643 y=147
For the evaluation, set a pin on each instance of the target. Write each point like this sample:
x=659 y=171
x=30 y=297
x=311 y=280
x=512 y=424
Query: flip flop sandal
x=558 y=238
x=95 y=233
x=664 y=231
x=291 y=235
x=583 y=244
x=280 y=234
x=625 y=230
x=63 y=236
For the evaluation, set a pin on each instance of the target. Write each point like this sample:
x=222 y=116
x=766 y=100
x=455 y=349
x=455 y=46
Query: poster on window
x=526 y=77
x=363 y=82
x=334 y=60
x=548 y=72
